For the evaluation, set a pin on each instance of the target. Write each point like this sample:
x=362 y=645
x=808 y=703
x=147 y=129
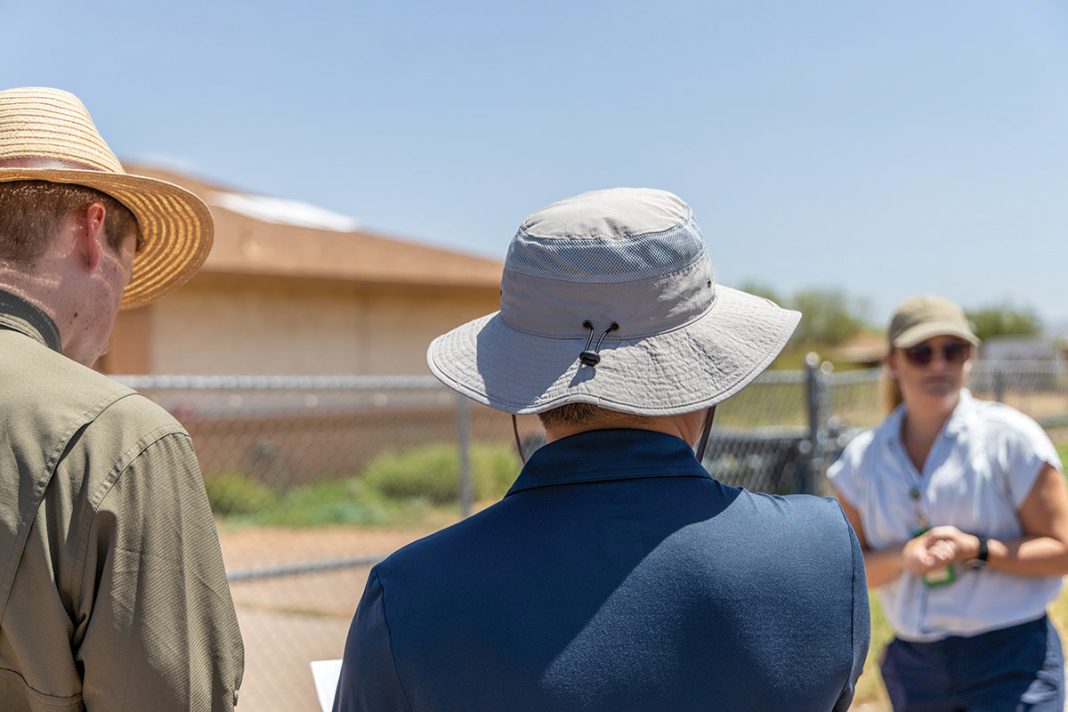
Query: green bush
x=395 y=488
x=233 y=493
x=334 y=502
x=432 y=473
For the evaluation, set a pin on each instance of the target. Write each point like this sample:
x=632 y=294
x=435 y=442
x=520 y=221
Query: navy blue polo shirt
x=617 y=574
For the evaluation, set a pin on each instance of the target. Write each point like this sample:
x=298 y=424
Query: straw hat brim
x=690 y=368
x=176 y=226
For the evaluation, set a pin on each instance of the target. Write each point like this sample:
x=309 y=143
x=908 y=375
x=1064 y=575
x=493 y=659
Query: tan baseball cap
x=920 y=318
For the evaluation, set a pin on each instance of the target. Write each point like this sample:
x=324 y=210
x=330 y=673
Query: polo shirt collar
x=601 y=455
x=19 y=315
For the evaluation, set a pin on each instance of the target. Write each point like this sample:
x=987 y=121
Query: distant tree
x=762 y=290
x=829 y=316
x=1005 y=321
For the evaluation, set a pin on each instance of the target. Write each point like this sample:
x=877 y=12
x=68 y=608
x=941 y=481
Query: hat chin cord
x=518 y=442
x=706 y=428
x=592 y=357
x=702 y=444
x=588 y=357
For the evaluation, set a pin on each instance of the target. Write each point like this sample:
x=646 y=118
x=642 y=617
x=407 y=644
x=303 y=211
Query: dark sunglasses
x=953 y=352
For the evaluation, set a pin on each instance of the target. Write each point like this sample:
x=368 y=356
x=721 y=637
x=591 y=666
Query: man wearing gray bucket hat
x=616 y=574
x=113 y=594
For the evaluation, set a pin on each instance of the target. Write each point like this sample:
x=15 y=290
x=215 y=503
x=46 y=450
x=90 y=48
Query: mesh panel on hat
x=606 y=260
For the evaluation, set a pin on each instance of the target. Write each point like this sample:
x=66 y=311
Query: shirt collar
x=599 y=455
x=962 y=414
x=19 y=315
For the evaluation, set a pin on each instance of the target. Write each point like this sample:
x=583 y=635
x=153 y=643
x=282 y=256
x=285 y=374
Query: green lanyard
x=938 y=577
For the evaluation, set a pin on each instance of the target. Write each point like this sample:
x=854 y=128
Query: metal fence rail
x=305 y=567
x=779 y=434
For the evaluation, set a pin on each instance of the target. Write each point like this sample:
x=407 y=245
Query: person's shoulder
x=60 y=395
x=998 y=425
x=861 y=445
x=796 y=514
x=793 y=505
x=136 y=411
x=67 y=387
x=114 y=404
x=54 y=378
x=865 y=440
x=458 y=539
x=1001 y=415
x=804 y=531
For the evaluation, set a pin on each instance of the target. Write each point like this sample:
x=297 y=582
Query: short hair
x=576 y=414
x=33 y=211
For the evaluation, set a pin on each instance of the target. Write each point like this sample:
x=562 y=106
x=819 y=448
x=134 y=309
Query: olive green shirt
x=112 y=589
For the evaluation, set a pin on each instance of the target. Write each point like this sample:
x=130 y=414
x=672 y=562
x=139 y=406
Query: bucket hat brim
x=695 y=366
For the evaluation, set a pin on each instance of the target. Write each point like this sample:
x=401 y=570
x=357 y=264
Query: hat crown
x=607 y=236
x=608 y=298
x=924 y=316
x=639 y=247
x=41 y=122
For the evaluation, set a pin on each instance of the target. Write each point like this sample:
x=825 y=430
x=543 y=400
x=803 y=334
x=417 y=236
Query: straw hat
x=608 y=298
x=176 y=227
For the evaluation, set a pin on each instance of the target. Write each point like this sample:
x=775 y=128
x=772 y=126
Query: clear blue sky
x=881 y=148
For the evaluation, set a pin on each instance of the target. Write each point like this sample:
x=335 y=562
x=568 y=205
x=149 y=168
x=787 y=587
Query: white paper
x=325 y=673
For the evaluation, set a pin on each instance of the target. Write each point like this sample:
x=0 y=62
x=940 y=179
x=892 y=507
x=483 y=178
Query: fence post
x=463 y=422
x=999 y=385
x=816 y=401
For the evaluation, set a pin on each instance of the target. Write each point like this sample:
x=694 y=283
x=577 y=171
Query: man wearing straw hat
x=616 y=574
x=112 y=589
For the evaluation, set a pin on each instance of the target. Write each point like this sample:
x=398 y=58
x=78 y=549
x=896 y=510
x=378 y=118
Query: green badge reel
x=939 y=577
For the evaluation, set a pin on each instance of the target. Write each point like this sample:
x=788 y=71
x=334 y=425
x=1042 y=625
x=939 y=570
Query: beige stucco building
x=292 y=289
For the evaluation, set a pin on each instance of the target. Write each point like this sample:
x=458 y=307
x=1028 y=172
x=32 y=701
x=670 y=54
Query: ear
x=89 y=237
x=890 y=361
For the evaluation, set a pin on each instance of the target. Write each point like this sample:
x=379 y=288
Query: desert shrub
x=347 y=501
x=432 y=472
x=233 y=493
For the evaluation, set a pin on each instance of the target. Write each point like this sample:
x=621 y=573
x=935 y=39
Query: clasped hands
x=937 y=547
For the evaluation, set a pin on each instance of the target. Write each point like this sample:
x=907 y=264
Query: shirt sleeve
x=845 y=473
x=861 y=623
x=369 y=679
x=1025 y=450
x=160 y=628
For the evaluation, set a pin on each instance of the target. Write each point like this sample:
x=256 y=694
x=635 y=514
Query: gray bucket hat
x=608 y=298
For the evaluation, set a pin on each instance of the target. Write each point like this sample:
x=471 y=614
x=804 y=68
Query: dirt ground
x=289 y=621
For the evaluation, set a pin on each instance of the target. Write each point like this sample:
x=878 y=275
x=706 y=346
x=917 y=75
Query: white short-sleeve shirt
x=978 y=473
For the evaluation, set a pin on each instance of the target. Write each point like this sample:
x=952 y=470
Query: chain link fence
x=314 y=479
x=782 y=432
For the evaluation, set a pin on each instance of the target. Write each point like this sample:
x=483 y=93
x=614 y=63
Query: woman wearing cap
x=962 y=512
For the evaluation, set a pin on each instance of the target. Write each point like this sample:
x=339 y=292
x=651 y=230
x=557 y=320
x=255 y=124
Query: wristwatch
x=979 y=562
